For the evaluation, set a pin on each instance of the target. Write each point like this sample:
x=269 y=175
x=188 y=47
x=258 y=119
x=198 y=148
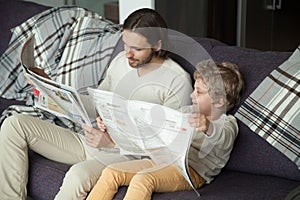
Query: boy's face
x=200 y=97
x=138 y=50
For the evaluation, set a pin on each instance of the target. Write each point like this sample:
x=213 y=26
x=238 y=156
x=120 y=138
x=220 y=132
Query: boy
x=217 y=89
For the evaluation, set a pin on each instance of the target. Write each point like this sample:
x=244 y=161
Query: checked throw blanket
x=273 y=109
x=72 y=45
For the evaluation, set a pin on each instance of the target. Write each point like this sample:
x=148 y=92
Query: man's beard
x=147 y=60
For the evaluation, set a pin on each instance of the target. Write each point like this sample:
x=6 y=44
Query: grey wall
x=188 y=17
x=93 y=5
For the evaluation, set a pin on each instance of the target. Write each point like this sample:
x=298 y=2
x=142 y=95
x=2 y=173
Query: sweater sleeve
x=209 y=154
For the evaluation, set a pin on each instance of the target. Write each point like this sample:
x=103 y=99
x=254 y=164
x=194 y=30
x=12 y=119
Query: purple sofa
x=255 y=170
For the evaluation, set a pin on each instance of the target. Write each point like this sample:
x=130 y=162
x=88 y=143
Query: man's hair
x=222 y=79
x=151 y=25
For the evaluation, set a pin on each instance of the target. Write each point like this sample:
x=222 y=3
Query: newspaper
x=58 y=99
x=142 y=128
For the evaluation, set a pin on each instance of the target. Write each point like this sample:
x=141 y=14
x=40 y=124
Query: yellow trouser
x=141 y=181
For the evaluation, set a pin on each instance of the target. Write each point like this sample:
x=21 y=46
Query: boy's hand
x=100 y=124
x=200 y=122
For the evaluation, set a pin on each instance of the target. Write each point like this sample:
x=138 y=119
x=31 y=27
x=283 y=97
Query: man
x=141 y=72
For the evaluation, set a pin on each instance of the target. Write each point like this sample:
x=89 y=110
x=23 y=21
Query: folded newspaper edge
x=58 y=99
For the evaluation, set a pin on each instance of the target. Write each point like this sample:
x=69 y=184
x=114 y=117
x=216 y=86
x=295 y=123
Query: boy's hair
x=151 y=25
x=222 y=79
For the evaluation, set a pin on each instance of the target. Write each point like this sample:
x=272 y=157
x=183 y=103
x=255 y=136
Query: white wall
x=128 y=6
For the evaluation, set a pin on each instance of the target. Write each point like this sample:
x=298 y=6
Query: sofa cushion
x=251 y=153
x=272 y=110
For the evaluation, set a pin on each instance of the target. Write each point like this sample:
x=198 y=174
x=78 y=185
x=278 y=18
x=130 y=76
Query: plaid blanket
x=273 y=109
x=72 y=45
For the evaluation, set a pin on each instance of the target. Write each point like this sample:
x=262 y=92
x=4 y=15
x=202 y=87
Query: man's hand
x=96 y=137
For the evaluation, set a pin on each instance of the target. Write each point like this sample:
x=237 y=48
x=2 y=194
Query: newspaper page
x=142 y=128
x=58 y=99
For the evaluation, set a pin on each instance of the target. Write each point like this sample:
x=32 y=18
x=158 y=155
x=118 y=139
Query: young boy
x=217 y=89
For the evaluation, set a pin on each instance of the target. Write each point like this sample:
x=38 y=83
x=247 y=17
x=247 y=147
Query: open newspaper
x=58 y=99
x=142 y=128
x=136 y=127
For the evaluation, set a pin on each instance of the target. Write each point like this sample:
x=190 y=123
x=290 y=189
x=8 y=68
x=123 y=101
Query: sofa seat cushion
x=232 y=185
x=45 y=177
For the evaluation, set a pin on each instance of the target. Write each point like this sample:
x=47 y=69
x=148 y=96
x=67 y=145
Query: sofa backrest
x=13 y=13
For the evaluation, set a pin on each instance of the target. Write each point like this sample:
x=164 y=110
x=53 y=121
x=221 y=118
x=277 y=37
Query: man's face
x=138 y=50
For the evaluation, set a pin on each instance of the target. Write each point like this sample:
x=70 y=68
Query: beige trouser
x=142 y=182
x=20 y=132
